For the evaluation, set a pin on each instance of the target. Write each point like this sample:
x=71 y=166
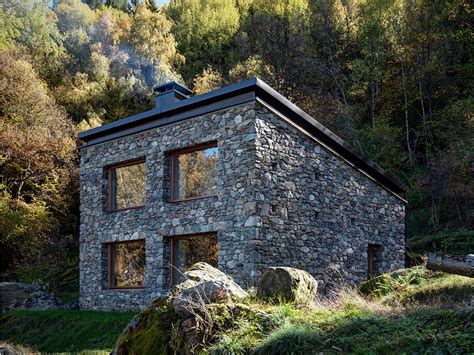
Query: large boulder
x=17 y=295
x=149 y=332
x=288 y=284
x=203 y=284
x=179 y=322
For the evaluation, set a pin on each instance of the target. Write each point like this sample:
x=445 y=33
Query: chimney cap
x=172 y=86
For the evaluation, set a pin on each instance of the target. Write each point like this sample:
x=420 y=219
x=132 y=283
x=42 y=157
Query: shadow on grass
x=425 y=330
x=64 y=330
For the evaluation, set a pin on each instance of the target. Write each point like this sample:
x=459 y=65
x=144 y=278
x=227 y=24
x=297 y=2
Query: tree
x=37 y=164
x=115 y=58
x=205 y=31
x=30 y=25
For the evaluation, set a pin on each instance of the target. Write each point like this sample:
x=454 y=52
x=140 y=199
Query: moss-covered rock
x=149 y=332
x=380 y=285
x=397 y=281
x=181 y=322
x=288 y=284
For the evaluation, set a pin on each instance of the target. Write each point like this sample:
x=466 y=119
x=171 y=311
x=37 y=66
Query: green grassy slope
x=64 y=330
x=410 y=311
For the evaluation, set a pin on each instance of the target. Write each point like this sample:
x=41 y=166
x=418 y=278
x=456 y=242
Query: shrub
x=459 y=242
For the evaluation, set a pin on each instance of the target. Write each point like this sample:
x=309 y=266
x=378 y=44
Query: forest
x=394 y=78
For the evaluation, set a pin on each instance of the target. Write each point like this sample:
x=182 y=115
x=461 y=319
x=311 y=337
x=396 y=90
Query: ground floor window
x=190 y=249
x=126 y=264
x=373 y=260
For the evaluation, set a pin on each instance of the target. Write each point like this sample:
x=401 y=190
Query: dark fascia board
x=178 y=107
x=232 y=95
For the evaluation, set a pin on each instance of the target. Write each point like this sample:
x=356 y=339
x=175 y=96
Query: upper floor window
x=194 y=172
x=127 y=185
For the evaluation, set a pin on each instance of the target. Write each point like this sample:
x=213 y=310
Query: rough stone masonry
x=282 y=199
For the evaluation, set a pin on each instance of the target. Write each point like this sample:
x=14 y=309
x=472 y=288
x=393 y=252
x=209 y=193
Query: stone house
x=238 y=177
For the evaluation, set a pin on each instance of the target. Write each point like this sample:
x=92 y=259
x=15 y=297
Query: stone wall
x=230 y=215
x=317 y=212
x=282 y=199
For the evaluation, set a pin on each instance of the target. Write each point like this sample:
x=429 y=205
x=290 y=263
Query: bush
x=459 y=242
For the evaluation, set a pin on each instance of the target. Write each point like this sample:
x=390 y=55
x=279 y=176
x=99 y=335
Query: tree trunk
x=407 y=126
x=453 y=265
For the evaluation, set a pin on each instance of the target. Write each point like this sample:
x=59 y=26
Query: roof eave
x=268 y=95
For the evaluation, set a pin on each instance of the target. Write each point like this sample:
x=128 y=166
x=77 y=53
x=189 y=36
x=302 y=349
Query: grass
x=425 y=330
x=419 y=311
x=410 y=311
x=64 y=330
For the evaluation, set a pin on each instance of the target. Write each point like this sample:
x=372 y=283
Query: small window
x=126 y=263
x=188 y=250
x=127 y=186
x=373 y=260
x=194 y=172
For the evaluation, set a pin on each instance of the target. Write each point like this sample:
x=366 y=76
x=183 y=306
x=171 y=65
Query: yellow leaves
x=37 y=140
x=294 y=10
x=150 y=36
x=207 y=81
x=254 y=66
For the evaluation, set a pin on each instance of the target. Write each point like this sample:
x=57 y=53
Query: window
x=127 y=185
x=126 y=264
x=373 y=260
x=188 y=250
x=194 y=172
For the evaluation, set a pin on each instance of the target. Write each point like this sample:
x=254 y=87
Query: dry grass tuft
x=14 y=349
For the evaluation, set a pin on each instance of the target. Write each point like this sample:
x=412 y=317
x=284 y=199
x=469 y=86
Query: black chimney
x=167 y=94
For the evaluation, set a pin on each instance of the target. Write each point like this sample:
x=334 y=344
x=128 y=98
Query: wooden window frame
x=184 y=236
x=171 y=157
x=373 y=251
x=110 y=192
x=110 y=266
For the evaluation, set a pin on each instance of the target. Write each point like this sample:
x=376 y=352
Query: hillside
x=393 y=79
x=63 y=330
x=412 y=310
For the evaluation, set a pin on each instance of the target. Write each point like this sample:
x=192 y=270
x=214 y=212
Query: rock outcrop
x=203 y=284
x=288 y=284
x=179 y=322
x=17 y=295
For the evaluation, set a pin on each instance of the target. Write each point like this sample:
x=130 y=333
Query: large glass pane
x=128 y=264
x=188 y=251
x=195 y=173
x=128 y=186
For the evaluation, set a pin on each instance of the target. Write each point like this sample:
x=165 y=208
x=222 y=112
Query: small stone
x=252 y=221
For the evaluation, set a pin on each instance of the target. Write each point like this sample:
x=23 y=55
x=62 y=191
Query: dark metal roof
x=248 y=90
x=172 y=85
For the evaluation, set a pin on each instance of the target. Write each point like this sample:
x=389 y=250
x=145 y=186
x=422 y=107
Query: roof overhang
x=236 y=94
